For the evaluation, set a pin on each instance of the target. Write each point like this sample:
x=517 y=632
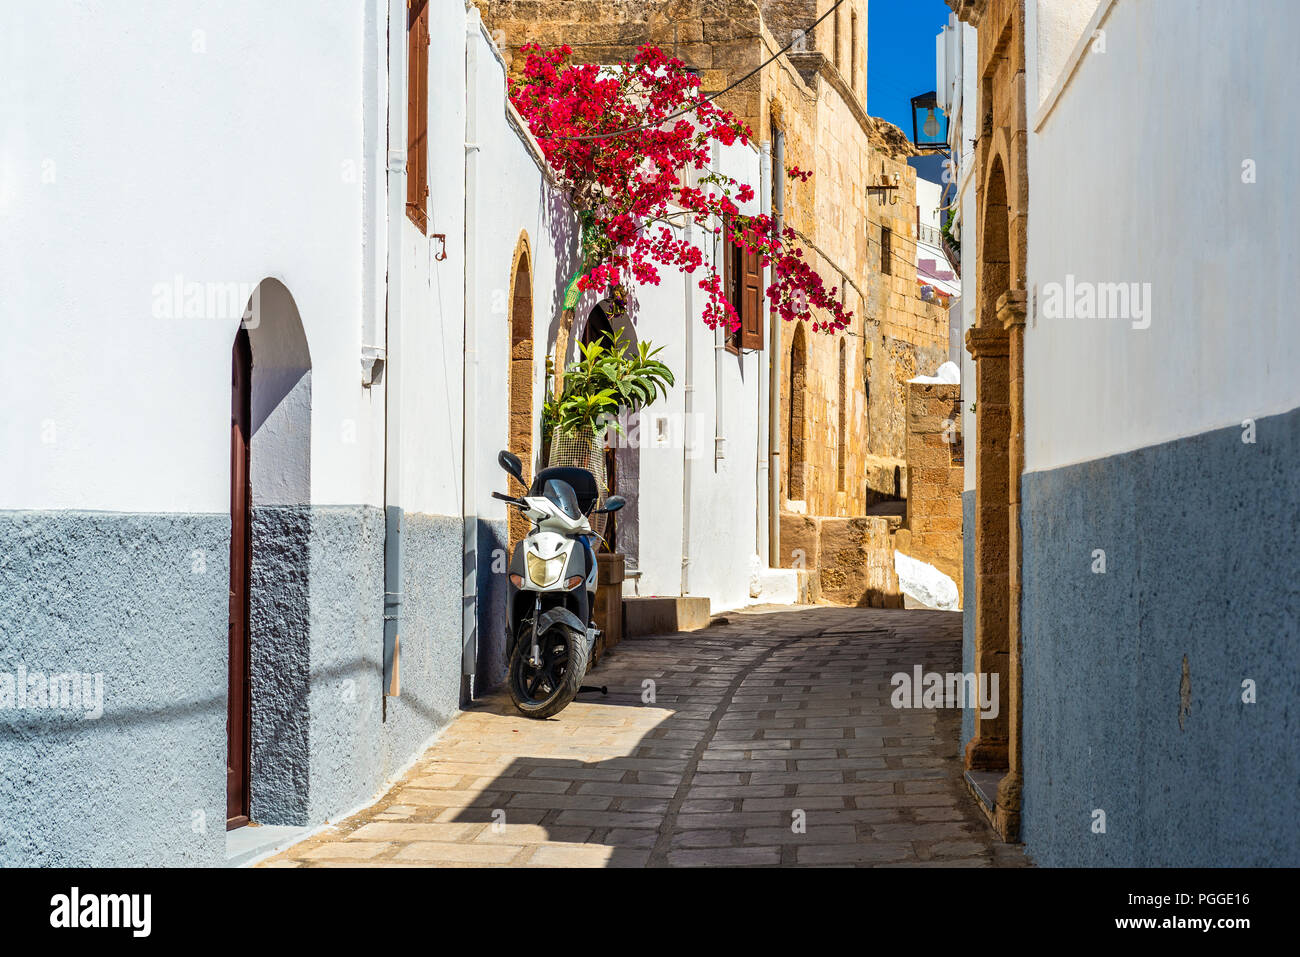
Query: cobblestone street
x=771 y=720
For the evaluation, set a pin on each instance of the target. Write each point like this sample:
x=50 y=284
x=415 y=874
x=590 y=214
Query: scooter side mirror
x=510 y=462
x=612 y=504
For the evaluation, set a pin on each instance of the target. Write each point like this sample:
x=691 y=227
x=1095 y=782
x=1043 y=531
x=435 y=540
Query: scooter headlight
x=545 y=572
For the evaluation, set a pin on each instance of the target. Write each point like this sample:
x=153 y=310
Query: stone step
x=664 y=614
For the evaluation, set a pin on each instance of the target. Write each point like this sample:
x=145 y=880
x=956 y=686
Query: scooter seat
x=579 y=479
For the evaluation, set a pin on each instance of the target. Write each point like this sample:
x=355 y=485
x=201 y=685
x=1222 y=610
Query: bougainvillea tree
x=632 y=145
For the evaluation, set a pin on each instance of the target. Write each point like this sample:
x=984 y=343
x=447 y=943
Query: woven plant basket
x=584 y=450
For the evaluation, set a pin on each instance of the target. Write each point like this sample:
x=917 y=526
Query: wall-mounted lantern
x=929 y=125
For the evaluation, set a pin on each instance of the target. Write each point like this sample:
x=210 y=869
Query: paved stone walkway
x=769 y=740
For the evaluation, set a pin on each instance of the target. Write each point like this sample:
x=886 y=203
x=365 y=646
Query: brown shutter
x=730 y=280
x=417 y=112
x=751 y=298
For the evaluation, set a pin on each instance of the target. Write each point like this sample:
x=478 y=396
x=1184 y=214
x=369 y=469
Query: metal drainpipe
x=393 y=516
x=469 y=451
x=719 y=349
x=774 y=386
x=688 y=397
x=761 y=517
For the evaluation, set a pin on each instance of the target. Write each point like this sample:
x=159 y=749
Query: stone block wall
x=932 y=531
x=716 y=37
x=851 y=559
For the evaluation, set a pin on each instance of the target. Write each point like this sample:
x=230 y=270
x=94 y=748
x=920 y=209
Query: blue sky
x=900 y=55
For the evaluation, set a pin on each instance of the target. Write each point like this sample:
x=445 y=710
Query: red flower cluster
x=623 y=141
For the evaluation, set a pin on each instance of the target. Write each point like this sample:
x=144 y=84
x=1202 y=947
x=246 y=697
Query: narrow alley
x=766 y=739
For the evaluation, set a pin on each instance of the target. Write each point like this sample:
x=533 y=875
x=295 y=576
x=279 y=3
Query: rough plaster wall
x=431 y=637
x=323 y=741
x=141 y=598
x=1200 y=559
x=279 y=648
x=493 y=571
x=345 y=693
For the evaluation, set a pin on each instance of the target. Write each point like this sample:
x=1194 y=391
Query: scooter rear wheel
x=545 y=690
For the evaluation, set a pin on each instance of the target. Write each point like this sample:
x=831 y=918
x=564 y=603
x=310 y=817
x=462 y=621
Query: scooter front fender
x=560 y=616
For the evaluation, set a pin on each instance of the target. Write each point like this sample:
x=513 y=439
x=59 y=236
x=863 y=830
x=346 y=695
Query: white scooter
x=552 y=587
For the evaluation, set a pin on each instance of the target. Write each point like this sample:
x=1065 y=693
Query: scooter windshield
x=561 y=495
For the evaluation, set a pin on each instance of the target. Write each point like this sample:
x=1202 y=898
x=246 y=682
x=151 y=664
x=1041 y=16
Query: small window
x=853 y=51
x=886 y=251
x=742 y=281
x=417 y=112
x=835 y=58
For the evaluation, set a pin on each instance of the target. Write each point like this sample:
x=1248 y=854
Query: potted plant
x=609 y=379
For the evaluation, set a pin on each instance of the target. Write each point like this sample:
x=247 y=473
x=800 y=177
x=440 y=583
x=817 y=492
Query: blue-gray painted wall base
x=143 y=599
x=280 y=663
x=1201 y=550
x=493 y=581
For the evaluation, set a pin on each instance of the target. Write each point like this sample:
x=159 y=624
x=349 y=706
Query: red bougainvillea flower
x=632 y=146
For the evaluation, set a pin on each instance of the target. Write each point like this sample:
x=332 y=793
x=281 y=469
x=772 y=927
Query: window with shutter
x=417 y=112
x=743 y=281
x=886 y=251
x=751 y=298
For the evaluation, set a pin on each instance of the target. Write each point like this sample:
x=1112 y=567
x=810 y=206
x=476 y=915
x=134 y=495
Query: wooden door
x=237 y=717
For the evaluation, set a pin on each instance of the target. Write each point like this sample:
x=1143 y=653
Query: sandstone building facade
x=842 y=449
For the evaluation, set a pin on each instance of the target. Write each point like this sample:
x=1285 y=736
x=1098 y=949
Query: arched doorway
x=520 y=438
x=795 y=490
x=597 y=327
x=238 y=742
x=270 y=478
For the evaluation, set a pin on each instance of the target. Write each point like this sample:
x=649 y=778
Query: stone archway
x=520 y=375
x=997 y=344
x=987 y=750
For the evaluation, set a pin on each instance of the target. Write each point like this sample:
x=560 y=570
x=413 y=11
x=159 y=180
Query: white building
x=1161 y=415
x=1161 y=423
x=250 y=159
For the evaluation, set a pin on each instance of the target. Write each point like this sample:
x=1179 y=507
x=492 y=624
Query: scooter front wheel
x=544 y=687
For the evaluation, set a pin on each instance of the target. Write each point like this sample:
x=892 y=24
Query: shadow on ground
x=768 y=739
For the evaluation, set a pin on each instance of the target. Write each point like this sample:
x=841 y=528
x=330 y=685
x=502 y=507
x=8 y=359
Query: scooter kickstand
x=602 y=689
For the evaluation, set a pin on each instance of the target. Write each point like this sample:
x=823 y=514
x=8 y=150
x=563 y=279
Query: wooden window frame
x=417 y=113
x=886 y=251
x=835 y=55
x=742 y=282
x=853 y=51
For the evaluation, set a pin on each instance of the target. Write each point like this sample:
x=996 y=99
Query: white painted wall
x=724 y=499
x=515 y=199
x=1136 y=175
x=226 y=144
x=433 y=293
x=222 y=143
